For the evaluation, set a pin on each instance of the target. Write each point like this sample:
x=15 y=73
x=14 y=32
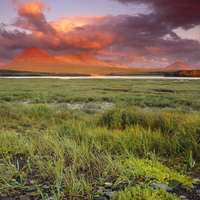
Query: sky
x=138 y=33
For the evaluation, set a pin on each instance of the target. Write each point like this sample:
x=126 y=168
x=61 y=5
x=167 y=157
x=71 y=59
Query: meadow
x=99 y=139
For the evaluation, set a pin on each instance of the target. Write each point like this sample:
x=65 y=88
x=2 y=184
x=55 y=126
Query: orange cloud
x=164 y=59
x=31 y=8
x=31 y=15
x=103 y=52
x=91 y=40
x=70 y=23
x=82 y=32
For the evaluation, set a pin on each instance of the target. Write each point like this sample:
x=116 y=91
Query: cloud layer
x=175 y=13
x=144 y=40
x=31 y=16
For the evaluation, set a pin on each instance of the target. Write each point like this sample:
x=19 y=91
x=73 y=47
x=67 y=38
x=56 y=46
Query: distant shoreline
x=100 y=77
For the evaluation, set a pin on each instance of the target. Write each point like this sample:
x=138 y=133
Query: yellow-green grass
x=74 y=152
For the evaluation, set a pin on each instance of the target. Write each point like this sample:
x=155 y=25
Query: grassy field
x=143 y=93
x=52 y=147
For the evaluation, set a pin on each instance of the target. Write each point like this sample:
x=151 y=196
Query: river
x=100 y=77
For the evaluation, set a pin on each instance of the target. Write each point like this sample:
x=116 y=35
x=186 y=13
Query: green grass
x=144 y=193
x=72 y=153
x=149 y=93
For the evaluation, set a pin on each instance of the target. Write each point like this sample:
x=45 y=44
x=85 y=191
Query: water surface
x=100 y=77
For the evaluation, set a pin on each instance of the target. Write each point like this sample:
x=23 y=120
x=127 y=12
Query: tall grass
x=171 y=133
x=74 y=152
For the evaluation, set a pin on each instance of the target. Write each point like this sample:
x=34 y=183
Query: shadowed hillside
x=184 y=73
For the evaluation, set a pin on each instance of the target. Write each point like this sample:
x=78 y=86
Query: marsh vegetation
x=126 y=135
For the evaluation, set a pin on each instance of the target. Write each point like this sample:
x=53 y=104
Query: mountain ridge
x=180 y=66
x=38 y=60
x=37 y=55
x=77 y=58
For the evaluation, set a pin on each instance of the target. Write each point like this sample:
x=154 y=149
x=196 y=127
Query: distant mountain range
x=38 y=60
x=180 y=66
x=79 y=58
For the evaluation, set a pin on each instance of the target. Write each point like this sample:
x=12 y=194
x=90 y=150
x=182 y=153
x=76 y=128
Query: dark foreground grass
x=53 y=152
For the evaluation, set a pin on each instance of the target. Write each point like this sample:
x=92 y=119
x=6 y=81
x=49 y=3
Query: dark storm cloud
x=144 y=36
x=79 y=28
x=176 y=13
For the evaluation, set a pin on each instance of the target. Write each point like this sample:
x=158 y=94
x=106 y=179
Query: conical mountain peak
x=180 y=66
x=35 y=54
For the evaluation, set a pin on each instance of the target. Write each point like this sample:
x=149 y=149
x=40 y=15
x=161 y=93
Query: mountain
x=35 y=54
x=79 y=58
x=1 y=64
x=118 y=65
x=38 y=60
x=75 y=57
x=85 y=59
x=180 y=66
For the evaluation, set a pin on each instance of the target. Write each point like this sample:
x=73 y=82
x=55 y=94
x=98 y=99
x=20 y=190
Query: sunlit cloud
x=31 y=16
x=164 y=59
